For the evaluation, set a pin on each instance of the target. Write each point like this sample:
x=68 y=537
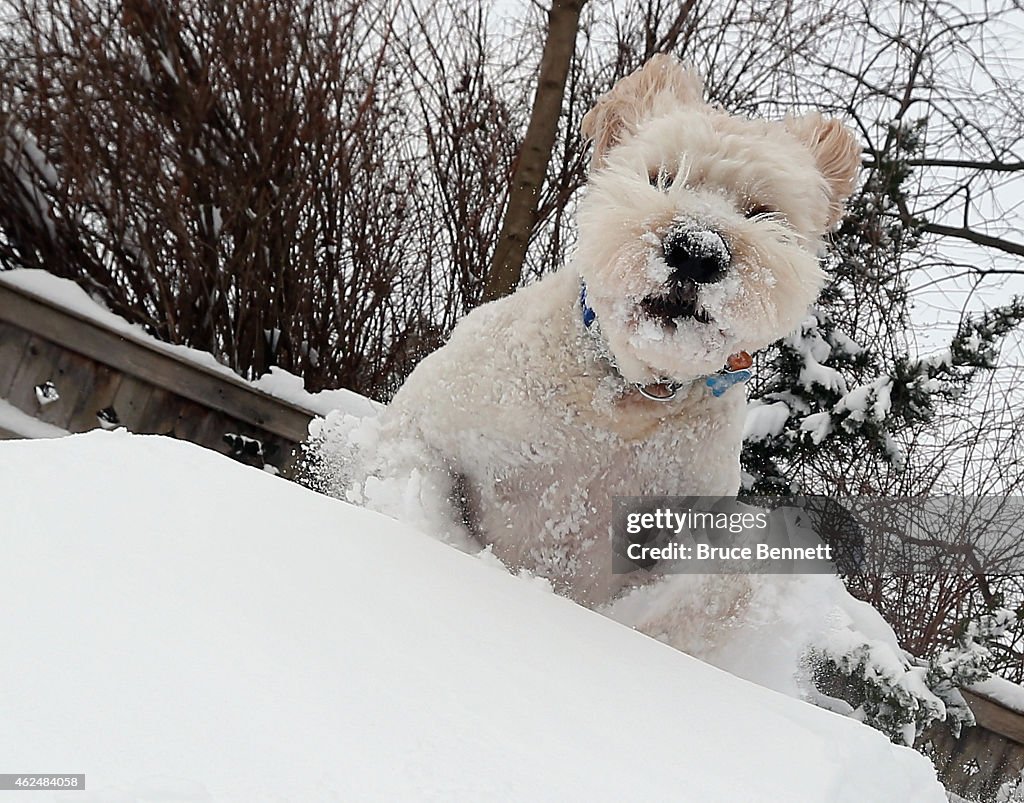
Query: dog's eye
x=759 y=209
x=660 y=179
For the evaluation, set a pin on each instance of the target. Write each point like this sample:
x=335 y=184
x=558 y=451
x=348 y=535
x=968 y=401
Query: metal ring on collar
x=672 y=390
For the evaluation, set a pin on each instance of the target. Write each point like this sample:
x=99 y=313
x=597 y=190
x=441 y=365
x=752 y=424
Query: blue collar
x=588 y=313
x=718 y=382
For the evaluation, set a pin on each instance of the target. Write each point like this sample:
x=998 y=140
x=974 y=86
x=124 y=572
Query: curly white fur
x=519 y=431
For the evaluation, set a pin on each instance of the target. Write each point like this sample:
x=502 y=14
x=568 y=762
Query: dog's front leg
x=415 y=483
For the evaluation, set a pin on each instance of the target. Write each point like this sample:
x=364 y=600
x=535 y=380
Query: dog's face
x=699 y=233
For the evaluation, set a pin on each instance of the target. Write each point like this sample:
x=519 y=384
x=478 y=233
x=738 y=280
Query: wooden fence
x=97 y=376
x=985 y=757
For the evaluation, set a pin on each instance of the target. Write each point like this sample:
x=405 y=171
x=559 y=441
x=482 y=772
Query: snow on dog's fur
x=699 y=237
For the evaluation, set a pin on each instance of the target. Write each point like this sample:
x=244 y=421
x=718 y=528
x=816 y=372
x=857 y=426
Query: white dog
x=699 y=240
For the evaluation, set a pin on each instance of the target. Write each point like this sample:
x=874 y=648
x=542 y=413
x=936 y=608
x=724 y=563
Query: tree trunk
x=532 y=164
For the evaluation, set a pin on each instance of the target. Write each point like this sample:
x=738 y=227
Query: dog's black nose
x=700 y=256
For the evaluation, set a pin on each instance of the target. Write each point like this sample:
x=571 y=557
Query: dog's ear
x=837 y=154
x=661 y=82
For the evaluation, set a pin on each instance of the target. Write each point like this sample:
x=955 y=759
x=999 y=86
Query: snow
x=1002 y=691
x=23 y=425
x=872 y=400
x=814 y=373
x=284 y=385
x=760 y=626
x=708 y=244
x=183 y=627
x=938 y=360
x=818 y=426
x=765 y=421
x=67 y=295
x=815 y=351
x=844 y=344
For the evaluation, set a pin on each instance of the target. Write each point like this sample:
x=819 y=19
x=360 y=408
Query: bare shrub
x=238 y=177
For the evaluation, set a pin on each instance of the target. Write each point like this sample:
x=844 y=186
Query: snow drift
x=180 y=627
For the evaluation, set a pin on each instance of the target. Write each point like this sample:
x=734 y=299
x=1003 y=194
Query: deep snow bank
x=180 y=627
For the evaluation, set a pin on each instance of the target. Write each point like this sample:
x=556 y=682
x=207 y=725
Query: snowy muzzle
x=694 y=258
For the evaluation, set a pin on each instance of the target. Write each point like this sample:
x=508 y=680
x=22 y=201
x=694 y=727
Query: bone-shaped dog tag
x=721 y=382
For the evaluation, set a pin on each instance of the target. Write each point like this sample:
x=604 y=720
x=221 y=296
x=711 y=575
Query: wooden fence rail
x=104 y=377
x=984 y=757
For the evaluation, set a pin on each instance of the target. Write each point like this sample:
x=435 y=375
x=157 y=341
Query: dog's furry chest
x=541 y=433
x=548 y=507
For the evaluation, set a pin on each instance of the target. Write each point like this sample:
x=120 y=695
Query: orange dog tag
x=739 y=361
